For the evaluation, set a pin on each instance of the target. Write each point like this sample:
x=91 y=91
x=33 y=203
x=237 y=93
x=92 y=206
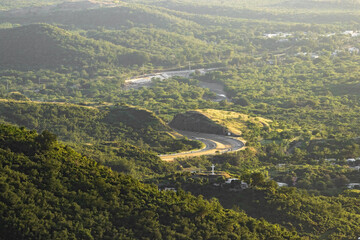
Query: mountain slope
x=156 y=42
x=301 y=12
x=197 y=122
x=48 y=191
x=45 y=46
x=107 y=125
x=16 y=4
x=126 y=15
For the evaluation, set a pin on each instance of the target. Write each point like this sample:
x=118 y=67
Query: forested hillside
x=243 y=10
x=47 y=190
x=125 y=15
x=154 y=41
x=317 y=217
x=45 y=46
x=16 y=4
x=107 y=77
x=81 y=124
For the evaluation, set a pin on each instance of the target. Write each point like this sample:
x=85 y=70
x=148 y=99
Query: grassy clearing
x=235 y=122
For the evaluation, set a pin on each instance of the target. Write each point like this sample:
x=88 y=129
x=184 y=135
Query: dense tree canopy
x=47 y=190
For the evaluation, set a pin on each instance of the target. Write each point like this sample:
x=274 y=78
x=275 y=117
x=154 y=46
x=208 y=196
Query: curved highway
x=213 y=144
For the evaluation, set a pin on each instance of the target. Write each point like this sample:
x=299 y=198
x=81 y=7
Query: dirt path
x=214 y=144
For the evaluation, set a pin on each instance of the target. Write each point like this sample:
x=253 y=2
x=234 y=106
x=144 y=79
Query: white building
x=229 y=180
x=243 y=185
x=278 y=34
x=352 y=33
x=314 y=55
x=170 y=189
x=330 y=159
x=357 y=168
x=353 y=185
x=281 y=184
x=335 y=53
x=353 y=50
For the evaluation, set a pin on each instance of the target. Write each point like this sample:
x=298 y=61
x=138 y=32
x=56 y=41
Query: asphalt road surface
x=214 y=144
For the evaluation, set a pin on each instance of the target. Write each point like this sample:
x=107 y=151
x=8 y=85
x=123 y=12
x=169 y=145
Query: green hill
x=311 y=215
x=126 y=15
x=301 y=11
x=217 y=122
x=178 y=47
x=48 y=191
x=16 y=4
x=197 y=122
x=44 y=46
x=91 y=125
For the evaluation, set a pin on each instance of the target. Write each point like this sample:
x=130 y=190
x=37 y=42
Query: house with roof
x=241 y=186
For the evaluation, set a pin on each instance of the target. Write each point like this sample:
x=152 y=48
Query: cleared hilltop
x=217 y=122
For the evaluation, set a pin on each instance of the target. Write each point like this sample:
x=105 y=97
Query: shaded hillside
x=123 y=157
x=302 y=11
x=80 y=124
x=177 y=46
x=316 y=217
x=15 y=4
x=112 y=17
x=197 y=122
x=45 y=46
x=48 y=191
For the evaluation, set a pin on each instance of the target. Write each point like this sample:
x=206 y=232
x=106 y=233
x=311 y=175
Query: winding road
x=214 y=144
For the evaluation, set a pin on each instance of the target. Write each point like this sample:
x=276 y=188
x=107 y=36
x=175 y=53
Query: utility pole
x=189 y=66
x=7 y=85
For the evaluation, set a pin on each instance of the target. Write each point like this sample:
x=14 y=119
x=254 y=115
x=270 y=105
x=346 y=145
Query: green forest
x=50 y=191
x=90 y=92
